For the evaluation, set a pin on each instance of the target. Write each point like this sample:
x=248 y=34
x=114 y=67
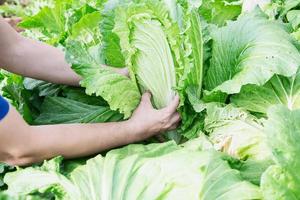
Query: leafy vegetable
x=12 y=88
x=278 y=91
x=252 y=57
x=55 y=21
x=234 y=64
x=148 y=55
x=58 y=110
x=236 y=132
x=219 y=11
x=157 y=60
x=281 y=180
x=241 y=135
x=119 y=91
x=111 y=50
x=293 y=17
x=156 y=171
x=163 y=61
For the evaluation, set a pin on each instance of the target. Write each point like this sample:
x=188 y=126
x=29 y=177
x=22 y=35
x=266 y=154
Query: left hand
x=122 y=71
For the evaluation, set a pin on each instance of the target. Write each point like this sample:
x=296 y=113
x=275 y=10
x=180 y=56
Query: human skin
x=13 y=22
x=22 y=144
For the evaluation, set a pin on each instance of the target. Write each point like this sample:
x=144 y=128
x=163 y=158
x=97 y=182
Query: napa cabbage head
x=162 y=45
x=153 y=62
x=236 y=132
x=144 y=31
x=161 y=42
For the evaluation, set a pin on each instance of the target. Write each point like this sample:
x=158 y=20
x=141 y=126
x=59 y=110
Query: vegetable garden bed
x=234 y=65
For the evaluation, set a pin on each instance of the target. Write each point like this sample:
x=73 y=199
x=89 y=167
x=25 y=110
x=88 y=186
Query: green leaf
x=54 y=23
x=193 y=70
x=26 y=102
x=276 y=183
x=125 y=175
x=252 y=56
x=4 y=168
x=119 y=91
x=155 y=171
x=154 y=61
x=42 y=179
x=58 y=110
x=78 y=94
x=282 y=129
x=8 y=10
x=296 y=34
x=293 y=17
x=49 y=20
x=87 y=30
x=289 y=5
x=220 y=11
x=281 y=181
x=43 y=88
x=252 y=170
x=278 y=91
x=111 y=50
x=79 y=11
x=236 y=132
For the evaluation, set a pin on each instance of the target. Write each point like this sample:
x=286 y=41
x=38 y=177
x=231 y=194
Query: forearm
x=33 y=59
x=40 y=61
x=22 y=144
x=77 y=140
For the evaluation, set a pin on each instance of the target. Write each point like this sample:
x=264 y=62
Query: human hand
x=13 y=22
x=147 y=121
x=122 y=71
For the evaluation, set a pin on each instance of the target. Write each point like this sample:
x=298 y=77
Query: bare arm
x=22 y=144
x=35 y=59
x=32 y=58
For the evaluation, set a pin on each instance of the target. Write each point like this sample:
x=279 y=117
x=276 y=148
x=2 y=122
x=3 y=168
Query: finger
x=19 y=30
x=173 y=127
x=175 y=118
x=171 y=108
x=146 y=98
x=18 y=19
x=15 y=20
x=125 y=72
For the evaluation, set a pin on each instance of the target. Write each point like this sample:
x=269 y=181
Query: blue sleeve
x=4 y=107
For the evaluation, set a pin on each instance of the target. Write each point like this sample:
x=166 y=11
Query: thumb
x=146 y=98
x=171 y=108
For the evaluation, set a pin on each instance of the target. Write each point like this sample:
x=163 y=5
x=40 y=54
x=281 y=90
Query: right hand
x=147 y=121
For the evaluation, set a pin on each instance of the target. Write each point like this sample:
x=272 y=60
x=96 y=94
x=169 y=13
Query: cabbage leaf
x=279 y=90
x=252 y=56
x=282 y=180
x=155 y=171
